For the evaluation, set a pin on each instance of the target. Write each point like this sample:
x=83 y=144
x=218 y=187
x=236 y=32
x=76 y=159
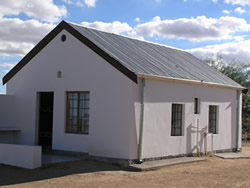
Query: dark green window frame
x=212 y=125
x=77 y=113
x=177 y=120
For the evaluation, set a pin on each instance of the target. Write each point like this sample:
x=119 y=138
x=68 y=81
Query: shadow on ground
x=12 y=175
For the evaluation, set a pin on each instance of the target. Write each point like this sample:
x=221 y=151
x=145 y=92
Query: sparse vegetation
x=241 y=74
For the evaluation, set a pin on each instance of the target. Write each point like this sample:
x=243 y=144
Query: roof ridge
x=129 y=37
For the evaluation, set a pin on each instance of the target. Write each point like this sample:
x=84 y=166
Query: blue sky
x=205 y=28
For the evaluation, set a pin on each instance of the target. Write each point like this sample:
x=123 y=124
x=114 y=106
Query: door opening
x=46 y=100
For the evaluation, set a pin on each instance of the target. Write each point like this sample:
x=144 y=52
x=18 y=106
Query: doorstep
x=152 y=165
x=232 y=155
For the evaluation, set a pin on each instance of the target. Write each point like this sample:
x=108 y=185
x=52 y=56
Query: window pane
x=177 y=132
x=70 y=103
x=81 y=103
x=75 y=104
x=82 y=96
x=70 y=112
x=75 y=95
x=212 y=119
x=74 y=112
x=196 y=105
x=176 y=128
x=77 y=112
x=72 y=125
x=86 y=113
x=70 y=96
x=87 y=96
x=81 y=113
x=86 y=104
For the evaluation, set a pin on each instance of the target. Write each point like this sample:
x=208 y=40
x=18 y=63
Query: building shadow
x=13 y=175
x=192 y=136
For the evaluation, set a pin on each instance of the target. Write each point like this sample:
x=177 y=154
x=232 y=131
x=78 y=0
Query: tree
x=241 y=74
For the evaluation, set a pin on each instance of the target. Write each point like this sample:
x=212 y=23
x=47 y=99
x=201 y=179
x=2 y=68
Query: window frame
x=213 y=118
x=196 y=105
x=78 y=131
x=181 y=119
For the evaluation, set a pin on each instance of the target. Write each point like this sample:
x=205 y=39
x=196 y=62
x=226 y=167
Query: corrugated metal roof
x=142 y=57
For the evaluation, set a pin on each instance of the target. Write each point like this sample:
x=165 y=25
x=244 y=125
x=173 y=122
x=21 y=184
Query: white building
x=85 y=90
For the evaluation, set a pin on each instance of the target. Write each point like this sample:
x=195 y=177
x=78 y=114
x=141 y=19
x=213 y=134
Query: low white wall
x=8 y=117
x=21 y=155
x=7 y=111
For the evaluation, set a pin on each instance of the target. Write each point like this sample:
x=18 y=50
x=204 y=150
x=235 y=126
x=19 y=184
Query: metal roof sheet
x=142 y=57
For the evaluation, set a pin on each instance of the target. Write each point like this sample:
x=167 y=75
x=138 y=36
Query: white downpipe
x=141 y=121
x=238 y=133
x=197 y=138
x=212 y=144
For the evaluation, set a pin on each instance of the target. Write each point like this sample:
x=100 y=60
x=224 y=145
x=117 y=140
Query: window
x=212 y=126
x=196 y=106
x=77 y=119
x=176 y=128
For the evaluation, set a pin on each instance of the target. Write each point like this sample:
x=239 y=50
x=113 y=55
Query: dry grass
x=214 y=172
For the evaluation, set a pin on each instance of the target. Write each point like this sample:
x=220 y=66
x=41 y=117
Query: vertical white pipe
x=141 y=121
x=212 y=144
x=239 y=120
x=197 y=138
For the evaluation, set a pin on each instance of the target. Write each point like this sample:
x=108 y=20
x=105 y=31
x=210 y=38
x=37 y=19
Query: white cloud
x=44 y=10
x=90 y=3
x=69 y=2
x=238 y=2
x=113 y=27
x=6 y=66
x=239 y=10
x=215 y=1
x=15 y=48
x=17 y=37
x=157 y=1
x=226 y=11
x=9 y=65
x=81 y=3
x=137 y=19
x=237 y=51
x=196 y=29
x=15 y=29
x=185 y=1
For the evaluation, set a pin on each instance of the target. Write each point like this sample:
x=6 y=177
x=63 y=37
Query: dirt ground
x=214 y=172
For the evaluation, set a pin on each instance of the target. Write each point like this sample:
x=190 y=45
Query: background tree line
x=241 y=74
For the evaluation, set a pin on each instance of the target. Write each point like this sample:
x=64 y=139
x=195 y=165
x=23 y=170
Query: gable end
x=64 y=25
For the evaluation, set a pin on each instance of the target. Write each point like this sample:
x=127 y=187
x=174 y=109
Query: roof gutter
x=187 y=81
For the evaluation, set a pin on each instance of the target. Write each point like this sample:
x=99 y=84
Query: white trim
x=187 y=81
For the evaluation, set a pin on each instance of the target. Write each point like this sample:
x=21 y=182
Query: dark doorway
x=46 y=100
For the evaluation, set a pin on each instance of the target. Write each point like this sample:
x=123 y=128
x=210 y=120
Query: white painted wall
x=112 y=112
x=7 y=110
x=21 y=156
x=8 y=123
x=114 y=105
x=159 y=96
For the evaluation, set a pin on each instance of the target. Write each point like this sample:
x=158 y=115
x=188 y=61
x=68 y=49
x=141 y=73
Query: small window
x=77 y=120
x=212 y=125
x=176 y=127
x=63 y=38
x=196 y=106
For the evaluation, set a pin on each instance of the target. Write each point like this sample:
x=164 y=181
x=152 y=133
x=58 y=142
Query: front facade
x=111 y=95
x=70 y=98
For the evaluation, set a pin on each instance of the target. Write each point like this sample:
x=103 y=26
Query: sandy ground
x=214 y=172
